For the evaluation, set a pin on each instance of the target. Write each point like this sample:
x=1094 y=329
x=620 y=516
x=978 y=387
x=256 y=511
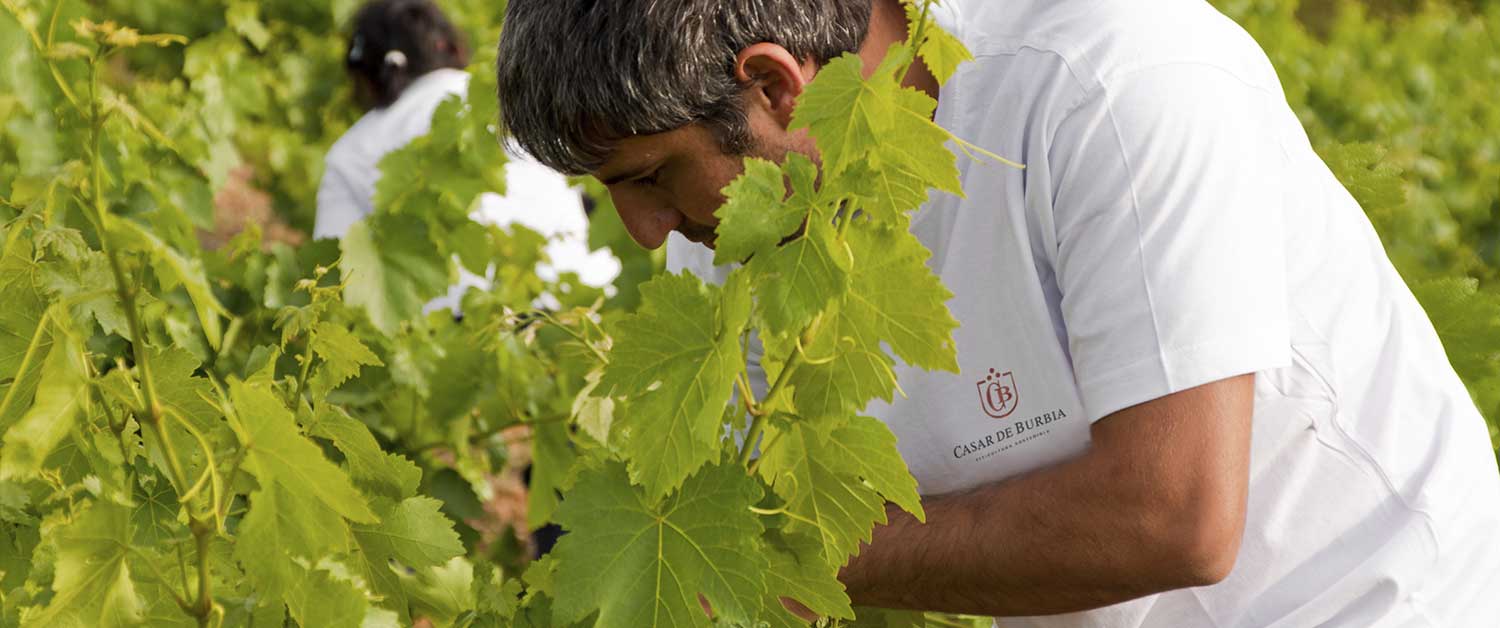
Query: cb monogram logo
x=997 y=394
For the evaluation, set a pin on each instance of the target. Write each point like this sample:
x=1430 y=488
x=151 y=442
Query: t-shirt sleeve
x=1169 y=245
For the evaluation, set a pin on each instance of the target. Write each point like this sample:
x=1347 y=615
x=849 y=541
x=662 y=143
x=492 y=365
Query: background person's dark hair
x=395 y=42
x=576 y=76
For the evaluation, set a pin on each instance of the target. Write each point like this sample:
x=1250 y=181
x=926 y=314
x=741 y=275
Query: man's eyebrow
x=630 y=173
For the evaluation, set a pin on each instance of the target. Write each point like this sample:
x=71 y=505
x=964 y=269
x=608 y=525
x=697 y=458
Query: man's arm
x=1157 y=503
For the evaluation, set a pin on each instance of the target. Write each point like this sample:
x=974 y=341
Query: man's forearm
x=1120 y=522
x=1031 y=556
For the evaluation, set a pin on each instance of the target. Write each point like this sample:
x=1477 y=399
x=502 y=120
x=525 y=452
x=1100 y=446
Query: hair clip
x=357 y=49
x=395 y=58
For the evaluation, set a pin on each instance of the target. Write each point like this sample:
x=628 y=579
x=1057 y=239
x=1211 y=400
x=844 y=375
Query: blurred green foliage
x=269 y=79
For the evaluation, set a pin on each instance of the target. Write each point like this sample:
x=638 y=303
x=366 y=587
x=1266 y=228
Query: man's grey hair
x=577 y=76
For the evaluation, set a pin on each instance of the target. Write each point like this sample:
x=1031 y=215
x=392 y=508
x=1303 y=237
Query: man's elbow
x=1200 y=546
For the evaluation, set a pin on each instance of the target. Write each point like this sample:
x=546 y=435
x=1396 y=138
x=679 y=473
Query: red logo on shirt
x=997 y=394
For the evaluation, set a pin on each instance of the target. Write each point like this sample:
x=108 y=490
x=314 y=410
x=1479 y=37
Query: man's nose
x=648 y=222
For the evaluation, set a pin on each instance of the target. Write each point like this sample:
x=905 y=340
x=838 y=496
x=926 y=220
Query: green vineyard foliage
x=258 y=434
x=262 y=434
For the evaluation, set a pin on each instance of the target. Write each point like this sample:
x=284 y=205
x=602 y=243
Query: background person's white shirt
x=536 y=197
x=1173 y=228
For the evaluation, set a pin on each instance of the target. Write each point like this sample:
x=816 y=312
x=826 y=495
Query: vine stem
x=770 y=444
x=36 y=341
x=603 y=359
x=747 y=395
x=221 y=505
x=917 y=38
x=758 y=425
x=203 y=608
x=210 y=470
x=307 y=358
x=478 y=437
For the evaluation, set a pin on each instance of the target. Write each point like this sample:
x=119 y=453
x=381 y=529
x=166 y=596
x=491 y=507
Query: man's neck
x=888 y=26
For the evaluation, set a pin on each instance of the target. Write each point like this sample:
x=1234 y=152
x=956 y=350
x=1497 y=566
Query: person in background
x=406 y=58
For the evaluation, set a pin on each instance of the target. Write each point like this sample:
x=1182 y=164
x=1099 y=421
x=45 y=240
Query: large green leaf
x=639 y=562
x=174 y=269
x=93 y=581
x=300 y=528
x=52 y=413
x=824 y=497
x=796 y=281
x=675 y=362
x=757 y=214
x=412 y=535
x=391 y=269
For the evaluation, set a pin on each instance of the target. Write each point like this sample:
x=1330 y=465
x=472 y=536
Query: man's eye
x=649 y=179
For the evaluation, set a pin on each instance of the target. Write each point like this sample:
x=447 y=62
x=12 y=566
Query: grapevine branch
x=203 y=608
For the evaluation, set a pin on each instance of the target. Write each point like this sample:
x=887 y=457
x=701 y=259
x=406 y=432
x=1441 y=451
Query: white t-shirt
x=1174 y=227
x=536 y=197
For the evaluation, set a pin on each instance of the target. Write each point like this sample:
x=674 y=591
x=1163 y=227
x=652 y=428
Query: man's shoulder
x=1103 y=41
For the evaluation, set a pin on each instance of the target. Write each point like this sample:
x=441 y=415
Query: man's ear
x=773 y=78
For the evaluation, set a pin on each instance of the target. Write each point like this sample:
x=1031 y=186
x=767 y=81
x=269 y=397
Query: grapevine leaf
x=594 y=414
x=859 y=369
x=53 y=411
x=877 y=139
x=88 y=281
x=757 y=215
x=242 y=17
x=916 y=148
x=342 y=352
x=675 y=361
x=869 y=448
x=173 y=270
x=823 y=494
x=888 y=618
x=845 y=113
x=553 y=455
x=893 y=301
x=391 y=269
x=372 y=468
x=326 y=594
x=413 y=531
x=413 y=534
x=897 y=297
x=796 y=281
x=496 y=598
x=278 y=454
x=899 y=170
x=940 y=49
x=1363 y=170
x=297 y=525
x=173 y=370
x=1467 y=321
x=797 y=572
x=20 y=324
x=443 y=592
x=640 y=562
x=154 y=518
x=93 y=581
